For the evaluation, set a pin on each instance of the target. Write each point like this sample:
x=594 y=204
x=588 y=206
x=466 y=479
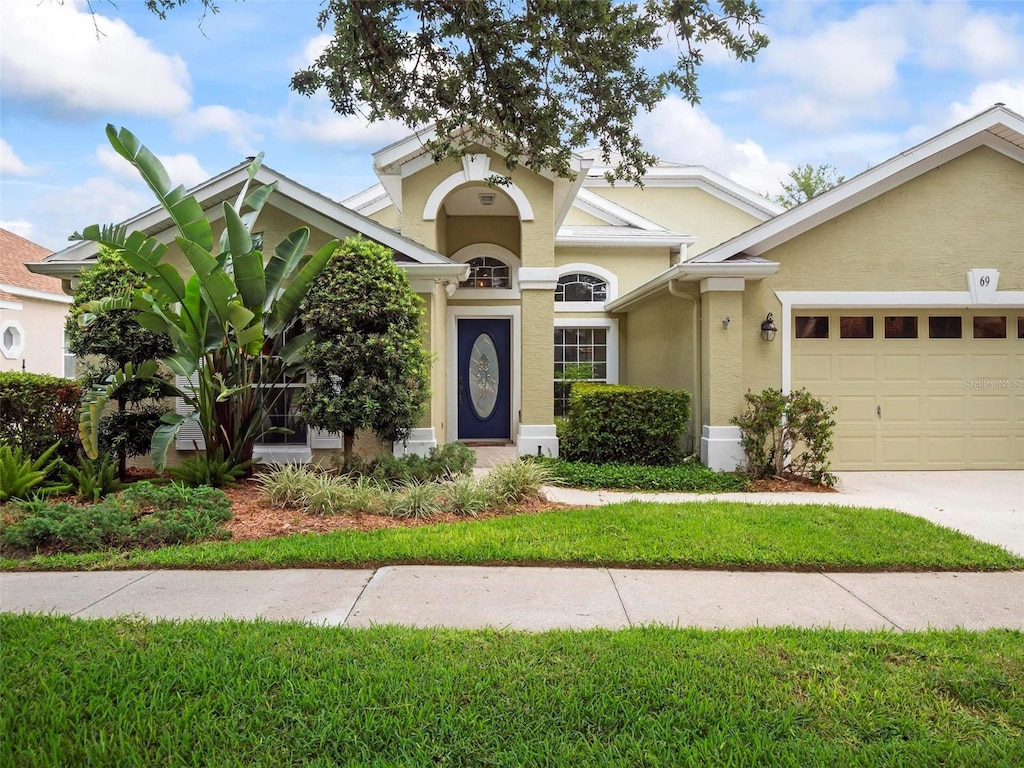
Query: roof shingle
x=15 y=252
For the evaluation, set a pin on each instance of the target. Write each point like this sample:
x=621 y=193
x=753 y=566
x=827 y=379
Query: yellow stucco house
x=898 y=296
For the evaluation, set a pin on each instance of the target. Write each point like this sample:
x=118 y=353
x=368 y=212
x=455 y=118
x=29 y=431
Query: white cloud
x=1008 y=92
x=19 y=227
x=97 y=200
x=238 y=126
x=10 y=163
x=182 y=168
x=678 y=132
x=312 y=120
x=957 y=36
x=311 y=51
x=51 y=56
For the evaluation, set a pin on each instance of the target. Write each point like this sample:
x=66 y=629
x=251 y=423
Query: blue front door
x=484 y=379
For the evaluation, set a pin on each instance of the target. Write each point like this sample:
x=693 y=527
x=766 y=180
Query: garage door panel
x=944 y=403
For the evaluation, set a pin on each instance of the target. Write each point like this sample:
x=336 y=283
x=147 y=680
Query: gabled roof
x=290 y=196
x=997 y=127
x=15 y=280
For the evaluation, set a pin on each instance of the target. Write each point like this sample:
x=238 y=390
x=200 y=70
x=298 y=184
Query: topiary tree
x=370 y=368
x=105 y=345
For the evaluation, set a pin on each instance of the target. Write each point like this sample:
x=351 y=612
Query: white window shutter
x=189 y=434
x=319 y=438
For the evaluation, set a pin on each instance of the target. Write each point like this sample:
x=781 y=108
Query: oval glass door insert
x=483 y=376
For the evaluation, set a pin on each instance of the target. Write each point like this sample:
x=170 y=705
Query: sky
x=848 y=84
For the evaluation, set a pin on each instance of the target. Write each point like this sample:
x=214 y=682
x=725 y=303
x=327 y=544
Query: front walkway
x=534 y=599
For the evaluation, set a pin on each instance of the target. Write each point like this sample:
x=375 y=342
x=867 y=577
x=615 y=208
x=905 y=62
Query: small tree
x=808 y=182
x=106 y=345
x=370 y=368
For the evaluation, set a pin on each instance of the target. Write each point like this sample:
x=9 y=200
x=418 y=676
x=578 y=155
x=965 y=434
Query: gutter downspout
x=695 y=400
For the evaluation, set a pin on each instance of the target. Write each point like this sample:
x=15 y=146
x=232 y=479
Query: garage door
x=917 y=389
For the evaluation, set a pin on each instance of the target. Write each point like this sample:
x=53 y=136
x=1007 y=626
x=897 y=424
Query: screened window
x=581 y=287
x=282 y=404
x=70 y=366
x=581 y=354
x=487 y=272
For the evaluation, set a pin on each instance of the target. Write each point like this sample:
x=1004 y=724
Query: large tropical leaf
x=287 y=306
x=185 y=211
x=94 y=402
x=142 y=253
x=163 y=436
x=286 y=259
x=239 y=240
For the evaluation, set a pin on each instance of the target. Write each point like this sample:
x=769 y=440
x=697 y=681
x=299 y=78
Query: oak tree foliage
x=806 y=182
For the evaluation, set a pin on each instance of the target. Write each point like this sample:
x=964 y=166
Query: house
x=32 y=312
x=897 y=296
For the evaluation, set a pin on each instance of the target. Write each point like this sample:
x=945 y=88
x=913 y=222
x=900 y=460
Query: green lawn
x=130 y=693
x=632 y=534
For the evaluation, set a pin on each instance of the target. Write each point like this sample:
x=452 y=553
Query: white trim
x=537 y=440
x=577 y=236
x=8 y=304
x=16 y=349
x=721 y=449
x=282 y=454
x=722 y=284
x=369 y=201
x=876 y=181
x=32 y=293
x=457 y=179
x=494 y=251
x=612 y=325
x=619 y=216
x=463 y=312
x=538 y=278
x=689 y=271
x=791 y=300
x=421 y=441
x=611 y=281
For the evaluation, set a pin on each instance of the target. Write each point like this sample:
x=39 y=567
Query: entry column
x=722 y=330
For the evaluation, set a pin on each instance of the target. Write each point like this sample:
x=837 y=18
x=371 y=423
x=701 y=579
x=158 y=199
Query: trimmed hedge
x=37 y=411
x=611 y=423
x=691 y=476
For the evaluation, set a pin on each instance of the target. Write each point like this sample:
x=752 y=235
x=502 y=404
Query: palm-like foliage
x=231 y=321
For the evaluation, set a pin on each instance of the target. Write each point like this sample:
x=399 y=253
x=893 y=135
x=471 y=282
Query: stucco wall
x=632 y=266
x=42 y=327
x=922 y=236
x=468 y=230
x=537 y=358
x=686 y=210
x=389 y=217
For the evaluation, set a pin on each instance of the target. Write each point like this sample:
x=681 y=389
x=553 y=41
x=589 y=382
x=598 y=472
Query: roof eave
x=689 y=271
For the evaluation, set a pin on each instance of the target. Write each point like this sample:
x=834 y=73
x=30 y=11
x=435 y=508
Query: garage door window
x=1020 y=327
x=901 y=327
x=812 y=327
x=856 y=327
x=990 y=327
x=945 y=327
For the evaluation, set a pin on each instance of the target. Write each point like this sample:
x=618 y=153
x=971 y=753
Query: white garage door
x=917 y=389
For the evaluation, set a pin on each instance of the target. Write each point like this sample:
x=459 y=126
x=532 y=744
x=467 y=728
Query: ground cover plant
x=123 y=692
x=143 y=515
x=688 y=476
x=632 y=534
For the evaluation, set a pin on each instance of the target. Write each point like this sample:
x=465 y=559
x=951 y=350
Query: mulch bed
x=789 y=485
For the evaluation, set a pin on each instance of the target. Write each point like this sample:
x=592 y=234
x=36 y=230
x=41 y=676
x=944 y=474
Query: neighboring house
x=32 y=312
x=898 y=296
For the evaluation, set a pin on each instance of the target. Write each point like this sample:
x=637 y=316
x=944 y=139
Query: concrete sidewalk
x=533 y=598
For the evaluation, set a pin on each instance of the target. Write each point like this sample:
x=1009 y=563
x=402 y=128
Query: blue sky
x=846 y=83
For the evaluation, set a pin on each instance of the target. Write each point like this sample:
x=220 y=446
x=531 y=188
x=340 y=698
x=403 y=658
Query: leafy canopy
x=541 y=78
x=807 y=182
x=365 y=353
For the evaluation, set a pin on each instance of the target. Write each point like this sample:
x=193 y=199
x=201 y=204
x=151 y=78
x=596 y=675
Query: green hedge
x=37 y=411
x=691 y=476
x=609 y=423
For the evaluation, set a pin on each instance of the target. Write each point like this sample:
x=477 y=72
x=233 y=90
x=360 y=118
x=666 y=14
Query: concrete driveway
x=986 y=505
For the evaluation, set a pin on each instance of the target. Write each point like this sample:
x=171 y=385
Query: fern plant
x=210 y=468
x=21 y=477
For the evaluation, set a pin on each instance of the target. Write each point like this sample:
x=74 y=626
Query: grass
x=130 y=693
x=630 y=534
x=690 y=476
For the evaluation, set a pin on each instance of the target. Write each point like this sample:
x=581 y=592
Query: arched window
x=578 y=286
x=487 y=272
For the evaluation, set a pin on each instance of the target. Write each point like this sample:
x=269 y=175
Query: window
x=282 y=404
x=1020 y=327
x=990 y=327
x=487 y=272
x=812 y=327
x=945 y=327
x=12 y=339
x=581 y=287
x=856 y=327
x=70 y=367
x=581 y=354
x=901 y=327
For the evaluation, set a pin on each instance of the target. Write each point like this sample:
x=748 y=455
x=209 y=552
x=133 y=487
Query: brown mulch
x=253 y=518
x=788 y=485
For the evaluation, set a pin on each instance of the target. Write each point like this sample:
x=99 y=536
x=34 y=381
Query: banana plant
x=231 y=319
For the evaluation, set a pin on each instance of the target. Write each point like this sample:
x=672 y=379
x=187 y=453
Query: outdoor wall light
x=725 y=322
x=768 y=329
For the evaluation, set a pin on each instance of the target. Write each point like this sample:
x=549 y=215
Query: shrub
x=465 y=495
x=414 y=500
x=210 y=468
x=284 y=485
x=634 y=425
x=442 y=462
x=37 y=411
x=787 y=435
x=92 y=480
x=22 y=477
x=689 y=476
x=514 y=482
x=144 y=515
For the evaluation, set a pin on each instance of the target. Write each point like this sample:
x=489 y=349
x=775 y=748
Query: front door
x=484 y=379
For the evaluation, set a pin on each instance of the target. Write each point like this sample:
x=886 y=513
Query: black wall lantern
x=768 y=329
